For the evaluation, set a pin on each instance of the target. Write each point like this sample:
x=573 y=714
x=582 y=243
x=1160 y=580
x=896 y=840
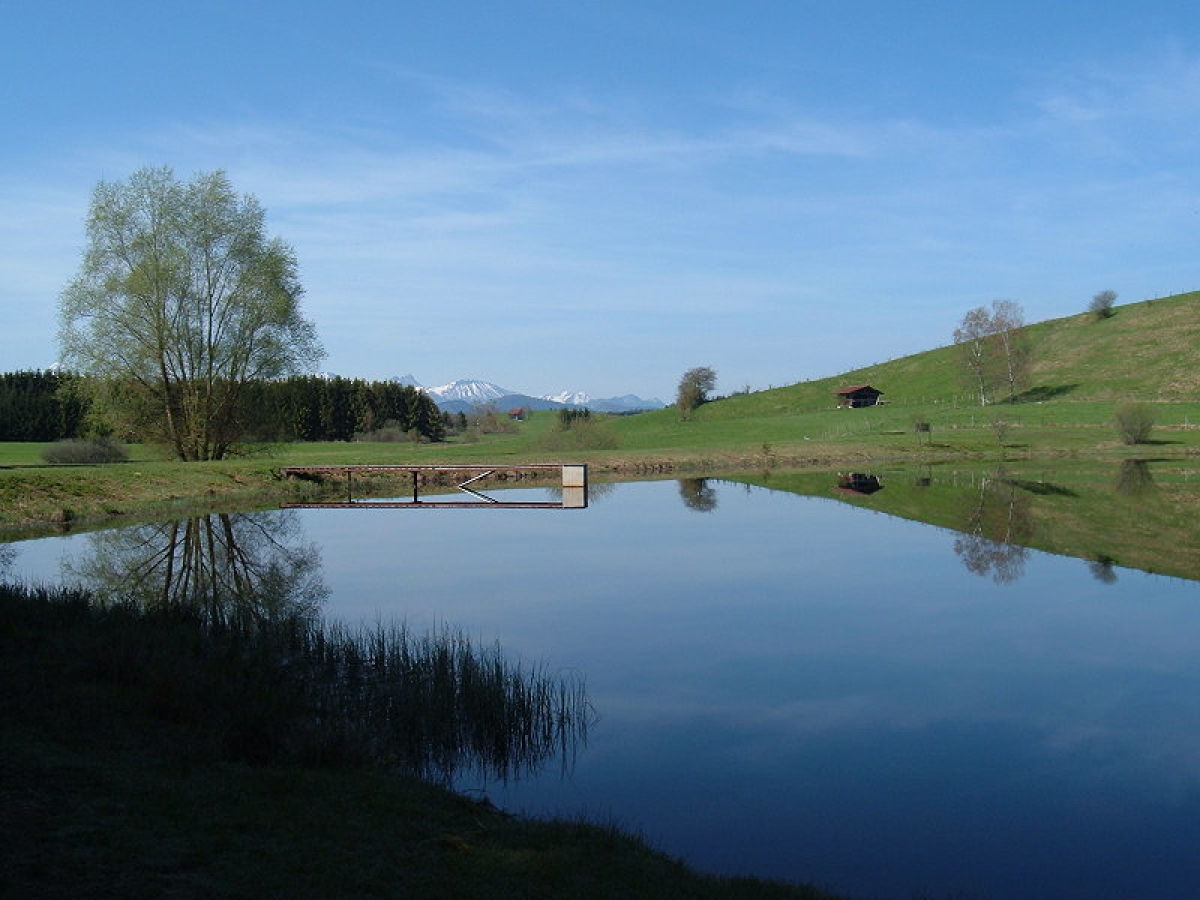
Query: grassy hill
x=1147 y=351
x=1081 y=369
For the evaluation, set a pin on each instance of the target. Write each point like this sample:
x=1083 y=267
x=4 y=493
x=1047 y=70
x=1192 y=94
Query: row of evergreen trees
x=49 y=406
x=308 y=408
x=39 y=406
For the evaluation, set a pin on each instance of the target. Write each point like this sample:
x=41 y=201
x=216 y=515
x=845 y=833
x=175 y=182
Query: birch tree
x=1008 y=326
x=972 y=335
x=995 y=348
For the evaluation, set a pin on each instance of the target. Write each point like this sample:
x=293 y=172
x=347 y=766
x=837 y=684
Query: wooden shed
x=858 y=395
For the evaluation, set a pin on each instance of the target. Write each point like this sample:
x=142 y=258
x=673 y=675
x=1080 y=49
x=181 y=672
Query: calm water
x=799 y=687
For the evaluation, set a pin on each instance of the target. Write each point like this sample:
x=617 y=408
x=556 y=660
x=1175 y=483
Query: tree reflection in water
x=1102 y=569
x=1134 y=478
x=997 y=520
x=697 y=494
x=230 y=568
x=435 y=705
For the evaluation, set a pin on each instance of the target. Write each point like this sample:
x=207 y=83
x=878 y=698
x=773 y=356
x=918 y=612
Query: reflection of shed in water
x=858 y=395
x=859 y=483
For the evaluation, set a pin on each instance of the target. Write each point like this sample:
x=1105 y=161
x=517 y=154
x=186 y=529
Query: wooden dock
x=573 y=480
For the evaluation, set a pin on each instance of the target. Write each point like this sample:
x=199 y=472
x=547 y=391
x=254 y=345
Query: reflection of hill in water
x=1140 y=514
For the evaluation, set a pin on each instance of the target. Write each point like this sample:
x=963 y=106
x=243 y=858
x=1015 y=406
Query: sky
x=598 y=196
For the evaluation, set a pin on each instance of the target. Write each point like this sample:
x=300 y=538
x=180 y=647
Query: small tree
x=1000 y=428
x=693 y=389
x=1134 y=422
x=995 y=348
x=972 y=336
x=1101 y=306
x=1008 y=325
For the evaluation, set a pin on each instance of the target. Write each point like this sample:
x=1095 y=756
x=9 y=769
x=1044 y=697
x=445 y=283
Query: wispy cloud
x=568 y=205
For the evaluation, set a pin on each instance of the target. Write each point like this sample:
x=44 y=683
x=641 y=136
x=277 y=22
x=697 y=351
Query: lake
x=799 y=676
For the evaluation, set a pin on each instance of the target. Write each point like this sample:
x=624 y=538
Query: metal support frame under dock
x=573 y=481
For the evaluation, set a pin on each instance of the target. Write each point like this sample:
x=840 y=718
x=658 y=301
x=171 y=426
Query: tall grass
x=298 y=690
x=436 y=704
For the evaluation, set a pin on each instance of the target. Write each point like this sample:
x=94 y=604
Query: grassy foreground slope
x=1082 y=369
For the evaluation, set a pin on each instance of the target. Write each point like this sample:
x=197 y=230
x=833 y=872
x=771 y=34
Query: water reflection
x=1102 y=569
x=997 y=521
x=859 y=483
x=437 y=705
x=697 y=494
x=8 y=555
x=1134 y=479
x=862 y=706
x=1136 y=513
x=228 y=567
x=596 y=491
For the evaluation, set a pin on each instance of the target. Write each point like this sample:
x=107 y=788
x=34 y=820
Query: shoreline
x=44 y=500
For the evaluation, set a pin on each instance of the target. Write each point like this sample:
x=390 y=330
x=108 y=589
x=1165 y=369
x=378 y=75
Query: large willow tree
x=181 y=300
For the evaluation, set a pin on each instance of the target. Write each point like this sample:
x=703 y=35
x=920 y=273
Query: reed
x=436 y=704
x=298 y=689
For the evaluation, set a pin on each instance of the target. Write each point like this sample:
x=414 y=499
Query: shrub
x=94 y=450
x=1101 y=306
x=1133 y=422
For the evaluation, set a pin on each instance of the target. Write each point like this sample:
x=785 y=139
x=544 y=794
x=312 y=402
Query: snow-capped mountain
x=569 y=398
x=409 y=379
x=625 y=403
x=468 y=391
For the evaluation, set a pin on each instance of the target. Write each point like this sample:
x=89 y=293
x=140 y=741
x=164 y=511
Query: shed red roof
x=854 y=389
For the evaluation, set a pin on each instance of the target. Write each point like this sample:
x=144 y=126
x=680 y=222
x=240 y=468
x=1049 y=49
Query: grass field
x=1082 y=370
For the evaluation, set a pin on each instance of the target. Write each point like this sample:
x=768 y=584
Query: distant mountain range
x=466 y=395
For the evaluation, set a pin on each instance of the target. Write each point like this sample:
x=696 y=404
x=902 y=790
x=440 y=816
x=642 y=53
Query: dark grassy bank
x=165 y=753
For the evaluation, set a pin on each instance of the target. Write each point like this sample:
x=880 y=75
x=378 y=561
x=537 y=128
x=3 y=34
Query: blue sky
x=600 y=195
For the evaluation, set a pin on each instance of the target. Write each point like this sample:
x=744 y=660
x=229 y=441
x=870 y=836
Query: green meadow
x=1083 y=369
